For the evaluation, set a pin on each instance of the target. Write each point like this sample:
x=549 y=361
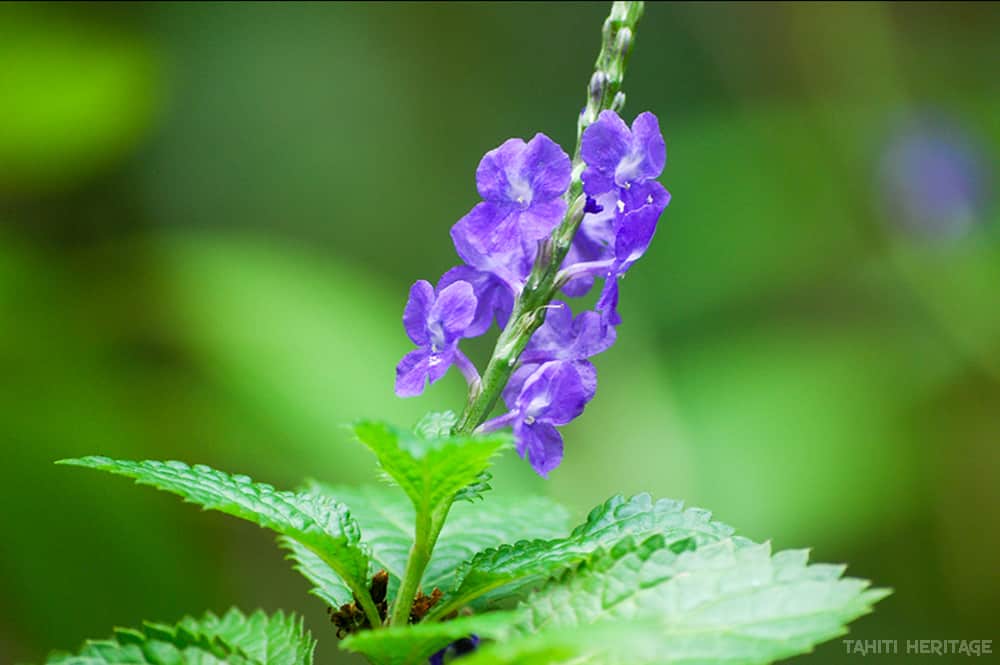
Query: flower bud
x=598 y=86
x=623 y=42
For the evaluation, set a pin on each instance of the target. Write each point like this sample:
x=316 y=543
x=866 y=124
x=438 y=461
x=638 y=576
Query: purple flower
x=639 y=210
x=618 y=157
x=494 y=297
x=435 y=321
x=563 y=337
x=522 y=185
x=553 y=395
x=621 y=166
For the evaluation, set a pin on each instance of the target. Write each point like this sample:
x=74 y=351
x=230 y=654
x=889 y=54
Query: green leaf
x=430 y=469
x=508 y=569
x=398 y=645
x=386 y=518
x=317 y=522
x=439 y=426
x=278 y=639
x=233 y=639
x=327 y=584
x=727 y=602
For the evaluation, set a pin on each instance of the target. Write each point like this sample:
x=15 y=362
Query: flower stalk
x=603 y=93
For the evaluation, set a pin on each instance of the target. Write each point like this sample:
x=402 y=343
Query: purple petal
x=594 y=241
x=511 y=267
x=492 y=174
x=546 y=168
x=516 y=382
x=554 y=338
x=439 y=363
x=543 y=445
x=553 y=393
x=538 y=221
x=562 y=337
x=578 y=286
x=570 y=395
x=494 y=297
x=488 y=227
x=647 y=153
x=588 y=376
x=411 y=373
x=636 y=227
x=607 y=304
x=417 y=308
x=603 y=145
x=591 y=336
x=454 y=308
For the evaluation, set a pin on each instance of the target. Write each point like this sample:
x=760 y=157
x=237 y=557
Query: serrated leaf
x=505 y=570
x=233 y=639
x=438 y=426
x=431 y=470
x=278 y=639
x=415 y=644
x=386 y=518
x=327 y=585
x=722 y=603
x=317 y=522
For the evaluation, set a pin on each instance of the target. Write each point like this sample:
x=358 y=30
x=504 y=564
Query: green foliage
x=505 y=570
x=439 y=425
x=233 y=639
x=431 y=469
x=415 y=644
x=639 y=581
x=386 y=518
x=327 y=585
x=317 y=522
x=727 y=602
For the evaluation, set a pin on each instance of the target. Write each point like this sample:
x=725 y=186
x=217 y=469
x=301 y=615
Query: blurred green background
x=210 y=215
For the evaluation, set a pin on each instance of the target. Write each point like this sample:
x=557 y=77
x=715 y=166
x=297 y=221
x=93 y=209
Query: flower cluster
x=524 y=188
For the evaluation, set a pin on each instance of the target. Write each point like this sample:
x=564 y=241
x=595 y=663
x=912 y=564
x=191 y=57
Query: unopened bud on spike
x=623 y=41
x=598 y=86
x=618 y=103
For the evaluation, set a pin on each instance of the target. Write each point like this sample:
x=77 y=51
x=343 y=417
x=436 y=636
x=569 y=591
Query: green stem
x=603 y=93
x=364 y=598
x=428 y=528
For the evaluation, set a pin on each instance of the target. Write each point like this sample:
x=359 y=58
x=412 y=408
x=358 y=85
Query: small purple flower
x=522 y=185
x=639 y=210
x=553 y=395
x=619 y=178
x=563 y=337
x=494 y=297
x=618 y=157
x=435 y=321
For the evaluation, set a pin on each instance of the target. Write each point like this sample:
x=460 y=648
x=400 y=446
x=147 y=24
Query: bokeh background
x=210 y=215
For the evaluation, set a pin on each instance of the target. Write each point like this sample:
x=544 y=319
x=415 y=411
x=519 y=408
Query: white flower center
x=520 y=191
